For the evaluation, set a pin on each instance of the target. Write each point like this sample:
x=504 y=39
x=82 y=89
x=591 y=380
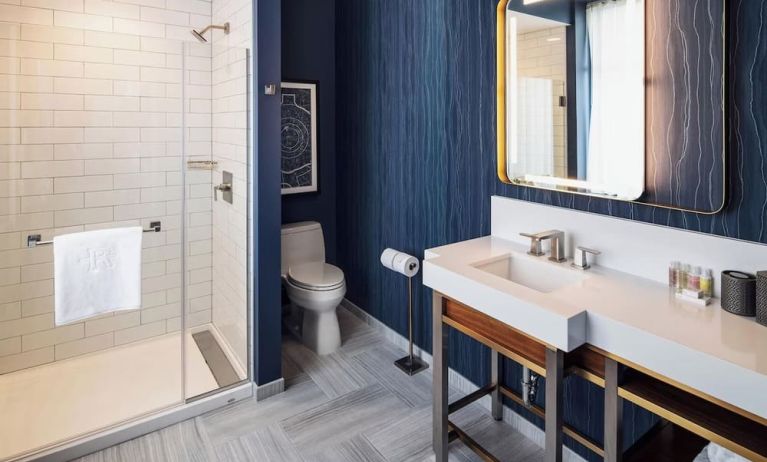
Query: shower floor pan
x=56 y=402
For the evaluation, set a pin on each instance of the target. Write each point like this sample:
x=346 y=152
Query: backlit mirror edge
x=501 y=121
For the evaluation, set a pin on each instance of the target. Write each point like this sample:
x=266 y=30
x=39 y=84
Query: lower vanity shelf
x=717 y=422
x=666 y=442
x=690 y=419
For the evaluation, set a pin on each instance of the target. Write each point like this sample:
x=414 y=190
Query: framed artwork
x=299 y=137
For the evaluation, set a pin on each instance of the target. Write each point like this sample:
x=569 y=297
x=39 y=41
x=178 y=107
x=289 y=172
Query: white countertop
x=706 y=348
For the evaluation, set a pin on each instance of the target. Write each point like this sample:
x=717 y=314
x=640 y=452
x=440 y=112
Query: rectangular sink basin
x=537 y=274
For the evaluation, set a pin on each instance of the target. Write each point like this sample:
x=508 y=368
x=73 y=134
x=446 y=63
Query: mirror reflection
x=575 y=98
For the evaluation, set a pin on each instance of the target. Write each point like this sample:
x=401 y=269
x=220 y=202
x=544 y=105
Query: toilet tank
x=301 y=243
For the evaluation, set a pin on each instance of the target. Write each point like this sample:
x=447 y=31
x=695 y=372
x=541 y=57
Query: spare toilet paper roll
x=400 y=262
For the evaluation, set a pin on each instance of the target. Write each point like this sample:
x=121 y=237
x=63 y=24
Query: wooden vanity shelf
x=666 y=442
x=697 y=415
x=690 y=418
x=501 y=337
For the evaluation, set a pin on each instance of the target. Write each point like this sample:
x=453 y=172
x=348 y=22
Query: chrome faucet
x=584 y=260
x=557 y=244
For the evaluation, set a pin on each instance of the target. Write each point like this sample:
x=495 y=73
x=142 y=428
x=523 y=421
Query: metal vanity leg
x=613 y=414
x=554 y=378
x=496 y=372
x=439 y=380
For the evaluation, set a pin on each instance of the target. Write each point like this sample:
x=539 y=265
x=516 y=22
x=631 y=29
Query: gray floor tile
x=231 y=451
x=147 y=448
x=356 y=449
x=362 y=410
x=497 y=437
x=335 y=373
x=266 y=444
x=414 y=390
x=410 y=439
x=405 y=440
x=250 y=415
x=356 y=335
x=184 y=442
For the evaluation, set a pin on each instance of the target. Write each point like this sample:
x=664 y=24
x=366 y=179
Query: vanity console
x=690 y=418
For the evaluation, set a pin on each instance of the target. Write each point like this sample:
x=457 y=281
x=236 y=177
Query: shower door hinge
x=270 y=89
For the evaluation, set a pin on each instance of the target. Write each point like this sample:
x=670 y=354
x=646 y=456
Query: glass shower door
x=218 y=184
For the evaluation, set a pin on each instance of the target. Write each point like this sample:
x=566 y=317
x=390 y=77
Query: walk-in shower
x=107 y=126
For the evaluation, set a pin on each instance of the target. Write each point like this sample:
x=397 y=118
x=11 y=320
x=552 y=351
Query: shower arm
x=224 y=28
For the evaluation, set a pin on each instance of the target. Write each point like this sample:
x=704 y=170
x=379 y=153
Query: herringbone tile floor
x=353 y=405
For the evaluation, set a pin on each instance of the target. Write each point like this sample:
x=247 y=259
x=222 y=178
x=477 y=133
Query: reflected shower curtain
x=616 y=132
x=536 y=131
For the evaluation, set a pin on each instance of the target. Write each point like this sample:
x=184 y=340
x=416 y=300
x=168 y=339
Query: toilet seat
x=318 y=276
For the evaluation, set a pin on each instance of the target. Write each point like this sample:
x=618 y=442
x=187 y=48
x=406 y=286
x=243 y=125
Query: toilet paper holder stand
x=410 y=364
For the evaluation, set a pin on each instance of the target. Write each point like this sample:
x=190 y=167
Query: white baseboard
x=459 y=382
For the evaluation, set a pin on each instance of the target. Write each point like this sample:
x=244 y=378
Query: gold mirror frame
x=501 y=118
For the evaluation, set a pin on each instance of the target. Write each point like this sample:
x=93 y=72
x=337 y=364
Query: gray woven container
x=739 y=293
x=761 y=297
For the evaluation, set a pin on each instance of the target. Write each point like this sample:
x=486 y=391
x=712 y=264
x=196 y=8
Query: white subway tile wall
x=543 y=54
x=230 y=109
x=90 y=137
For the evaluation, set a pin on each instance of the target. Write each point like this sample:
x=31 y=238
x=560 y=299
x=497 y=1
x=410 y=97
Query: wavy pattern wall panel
x=416 y=155
x=684 y=100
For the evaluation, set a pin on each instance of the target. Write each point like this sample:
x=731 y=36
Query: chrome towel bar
x=33 y=240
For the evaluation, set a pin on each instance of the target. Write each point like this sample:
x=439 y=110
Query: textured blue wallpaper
x=416 y=156
x=684 y=100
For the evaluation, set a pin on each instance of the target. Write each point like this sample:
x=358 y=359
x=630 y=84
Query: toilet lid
x=316 y=275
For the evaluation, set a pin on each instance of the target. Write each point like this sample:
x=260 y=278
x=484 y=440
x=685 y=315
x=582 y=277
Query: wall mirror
x=622 y=99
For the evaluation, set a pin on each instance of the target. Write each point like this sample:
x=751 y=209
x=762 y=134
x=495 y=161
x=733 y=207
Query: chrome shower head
x=200 y=35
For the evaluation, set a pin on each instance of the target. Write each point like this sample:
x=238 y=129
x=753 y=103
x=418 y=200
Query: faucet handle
x=535 y=243
x=584 y=261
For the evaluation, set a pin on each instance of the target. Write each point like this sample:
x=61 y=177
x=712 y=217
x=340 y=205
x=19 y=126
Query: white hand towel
x=96 y=272
x=715 y=453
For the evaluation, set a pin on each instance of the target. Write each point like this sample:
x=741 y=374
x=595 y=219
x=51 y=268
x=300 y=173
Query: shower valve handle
x=223 y=187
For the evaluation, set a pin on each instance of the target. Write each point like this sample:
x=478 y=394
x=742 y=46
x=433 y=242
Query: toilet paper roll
x=400 y=262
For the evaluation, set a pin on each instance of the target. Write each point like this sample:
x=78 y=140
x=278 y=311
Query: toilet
x=315 y=287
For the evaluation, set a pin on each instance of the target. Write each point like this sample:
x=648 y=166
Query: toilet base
x=320 y=331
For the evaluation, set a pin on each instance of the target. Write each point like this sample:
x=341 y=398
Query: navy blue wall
x=416 y=156
x=308 y=53
x=267 y=334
